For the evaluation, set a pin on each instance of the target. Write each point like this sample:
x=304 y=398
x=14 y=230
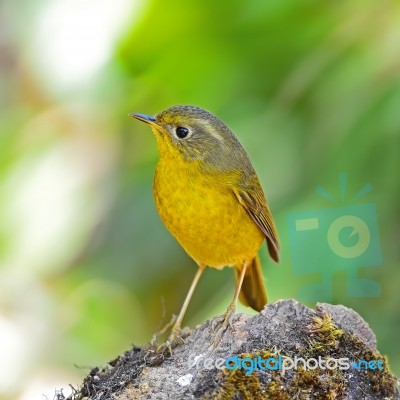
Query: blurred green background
x=311 y=88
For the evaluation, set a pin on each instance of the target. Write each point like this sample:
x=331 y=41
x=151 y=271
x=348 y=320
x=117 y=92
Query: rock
x=282 y=331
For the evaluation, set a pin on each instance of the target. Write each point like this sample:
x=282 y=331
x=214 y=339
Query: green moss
x=381 y=381
x=275 y=391
x=306 y=379
x=298 y=383
x=324 y=332
x=237 y=382
x=327 y=341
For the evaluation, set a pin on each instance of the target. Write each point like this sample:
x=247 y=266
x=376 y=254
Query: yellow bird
x=210 y=199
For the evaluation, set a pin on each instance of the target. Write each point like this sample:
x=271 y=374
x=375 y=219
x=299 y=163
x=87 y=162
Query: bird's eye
x=182 y=132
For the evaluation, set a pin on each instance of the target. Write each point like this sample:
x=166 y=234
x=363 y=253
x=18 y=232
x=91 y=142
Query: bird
x=209 y=197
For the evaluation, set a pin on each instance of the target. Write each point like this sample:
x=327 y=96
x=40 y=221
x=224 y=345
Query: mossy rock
x=281 y=332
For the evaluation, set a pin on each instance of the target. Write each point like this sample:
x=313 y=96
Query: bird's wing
x=252 y=198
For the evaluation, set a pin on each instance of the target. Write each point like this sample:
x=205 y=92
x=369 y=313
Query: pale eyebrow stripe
x=210 y=129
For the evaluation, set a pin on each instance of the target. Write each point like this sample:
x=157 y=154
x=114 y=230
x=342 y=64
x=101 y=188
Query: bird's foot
x=175 y=336
x=225 y=324
x=174 y=339
x=156 y=336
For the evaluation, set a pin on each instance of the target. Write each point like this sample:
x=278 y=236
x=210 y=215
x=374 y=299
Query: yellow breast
x=204 y=215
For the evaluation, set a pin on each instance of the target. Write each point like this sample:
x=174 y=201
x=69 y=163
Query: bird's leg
x=176 y=328
x=229 y=313
x=162 y=331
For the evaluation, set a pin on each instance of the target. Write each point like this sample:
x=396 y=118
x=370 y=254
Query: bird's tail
x=252 y=293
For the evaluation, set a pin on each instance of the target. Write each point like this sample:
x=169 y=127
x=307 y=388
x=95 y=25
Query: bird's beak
x=144 y=118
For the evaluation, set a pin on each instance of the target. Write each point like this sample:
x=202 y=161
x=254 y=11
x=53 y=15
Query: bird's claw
x=163 y=330
x=226 y=323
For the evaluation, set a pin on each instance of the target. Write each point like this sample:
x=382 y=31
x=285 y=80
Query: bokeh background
x=311 y=88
